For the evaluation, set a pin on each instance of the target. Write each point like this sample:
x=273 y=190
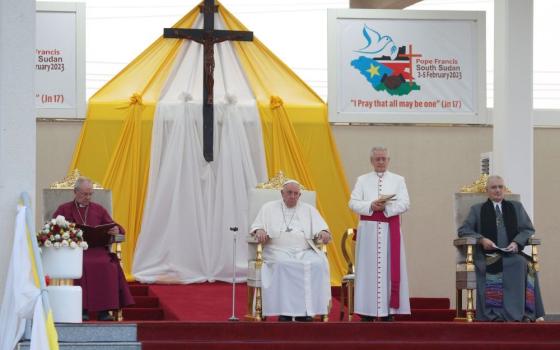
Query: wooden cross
x=208 y=37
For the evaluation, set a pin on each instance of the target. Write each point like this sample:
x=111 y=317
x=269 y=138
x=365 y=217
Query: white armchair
x=62 y=192
x=465 y=275
x=258 y=197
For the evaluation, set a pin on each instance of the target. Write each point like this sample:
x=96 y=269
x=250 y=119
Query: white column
x=513 y=96
x=17 y=117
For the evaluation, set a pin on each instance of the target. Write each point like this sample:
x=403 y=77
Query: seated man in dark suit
x=103 y=283
x=507 y=286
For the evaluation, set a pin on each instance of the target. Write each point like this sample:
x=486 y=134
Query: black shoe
x=389 y=318
x=304 y=319
x=85 y=316
x=283 y=318
x=104 y=316
x=365 y=318
x=527 y=319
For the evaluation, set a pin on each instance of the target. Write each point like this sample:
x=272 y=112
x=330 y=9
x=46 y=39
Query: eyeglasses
x=85 y=193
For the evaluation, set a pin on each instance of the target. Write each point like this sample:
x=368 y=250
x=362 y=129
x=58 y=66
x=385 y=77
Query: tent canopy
x=118 y=139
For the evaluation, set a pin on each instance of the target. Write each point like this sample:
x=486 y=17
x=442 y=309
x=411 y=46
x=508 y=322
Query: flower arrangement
x=60 y=233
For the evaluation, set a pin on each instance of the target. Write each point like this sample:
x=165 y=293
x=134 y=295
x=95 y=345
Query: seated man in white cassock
x=295 y=274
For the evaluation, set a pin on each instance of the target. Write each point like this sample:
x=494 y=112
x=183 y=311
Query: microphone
x=234 y=229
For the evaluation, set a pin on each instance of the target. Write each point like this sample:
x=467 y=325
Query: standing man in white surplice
x=380 y=197
x=507 y=287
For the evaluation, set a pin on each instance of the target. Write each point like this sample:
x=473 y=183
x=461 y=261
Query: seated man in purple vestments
x=103 y=283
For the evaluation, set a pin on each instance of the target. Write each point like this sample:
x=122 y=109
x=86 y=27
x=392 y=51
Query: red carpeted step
x=145 y=302
x=357 y=345
x=142 y=314
x=435 y=315
x=212 y=302
x=138 y=289
x=429 y=303
x=342 y=331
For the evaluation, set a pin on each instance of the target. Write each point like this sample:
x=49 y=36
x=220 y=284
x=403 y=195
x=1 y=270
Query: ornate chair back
x=63 y=191
x=258 y=197
x=53 y=197
x=465 y=275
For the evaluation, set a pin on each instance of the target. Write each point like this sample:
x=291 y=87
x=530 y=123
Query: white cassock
x=295 y=274
x=373 y=271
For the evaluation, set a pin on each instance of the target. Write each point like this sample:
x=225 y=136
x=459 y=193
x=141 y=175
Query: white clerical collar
x=380 y=175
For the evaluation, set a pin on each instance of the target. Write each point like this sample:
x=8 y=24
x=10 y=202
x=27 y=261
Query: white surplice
x=373 y=270
x=295 y=274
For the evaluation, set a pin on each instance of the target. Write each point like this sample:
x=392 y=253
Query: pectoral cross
x=208 y=37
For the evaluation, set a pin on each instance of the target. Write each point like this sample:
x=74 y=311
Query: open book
x=97 y=236
x=386 y=197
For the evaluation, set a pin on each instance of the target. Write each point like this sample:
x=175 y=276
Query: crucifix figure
x=208 y=37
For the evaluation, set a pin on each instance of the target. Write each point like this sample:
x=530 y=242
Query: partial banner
x=406 y=66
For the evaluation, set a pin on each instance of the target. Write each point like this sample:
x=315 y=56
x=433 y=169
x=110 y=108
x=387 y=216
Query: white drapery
x=191 y=204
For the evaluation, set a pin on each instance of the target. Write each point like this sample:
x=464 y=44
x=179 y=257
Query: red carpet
x=345 y=335
x=212 y=302
x=191 y=317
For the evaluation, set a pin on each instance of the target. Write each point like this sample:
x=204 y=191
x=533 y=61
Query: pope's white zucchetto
x=291 y=182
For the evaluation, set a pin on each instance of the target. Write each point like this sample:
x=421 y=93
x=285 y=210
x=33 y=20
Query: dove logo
x=385 y=66
x=378 y=45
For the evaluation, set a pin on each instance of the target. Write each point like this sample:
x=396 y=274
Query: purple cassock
x=103 y=283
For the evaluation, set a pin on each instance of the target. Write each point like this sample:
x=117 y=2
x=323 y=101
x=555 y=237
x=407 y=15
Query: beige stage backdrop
x=436 y=161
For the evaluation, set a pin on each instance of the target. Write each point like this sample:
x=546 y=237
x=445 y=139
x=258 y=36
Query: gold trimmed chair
x=465 y=275
x=263 y=193
x=62 y=192
x=347 y=283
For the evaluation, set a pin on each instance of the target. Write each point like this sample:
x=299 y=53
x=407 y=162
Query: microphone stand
x=234 y=230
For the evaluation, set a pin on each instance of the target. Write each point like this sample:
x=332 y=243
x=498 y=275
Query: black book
x=97 y=236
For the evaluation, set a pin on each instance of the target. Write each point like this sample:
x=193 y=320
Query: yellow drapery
x=114 y=145
x=297 y=136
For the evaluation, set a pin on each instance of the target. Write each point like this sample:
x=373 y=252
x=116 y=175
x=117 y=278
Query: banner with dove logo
x=412 y=67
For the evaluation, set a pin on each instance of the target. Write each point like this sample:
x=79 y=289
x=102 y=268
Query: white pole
x=234 y=230
x=513 y=134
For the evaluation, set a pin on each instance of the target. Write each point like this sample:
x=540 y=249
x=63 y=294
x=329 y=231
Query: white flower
x=47 y=227
x=73 y=245
x=45 y=230
x=56 y=245
x=53 y=221
x=84 y=245
x=79 y=233
x=51 y=237
x=64 y=243
x=48 y=244
x=65 y=235
x=61 y=221
x=57 y=237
